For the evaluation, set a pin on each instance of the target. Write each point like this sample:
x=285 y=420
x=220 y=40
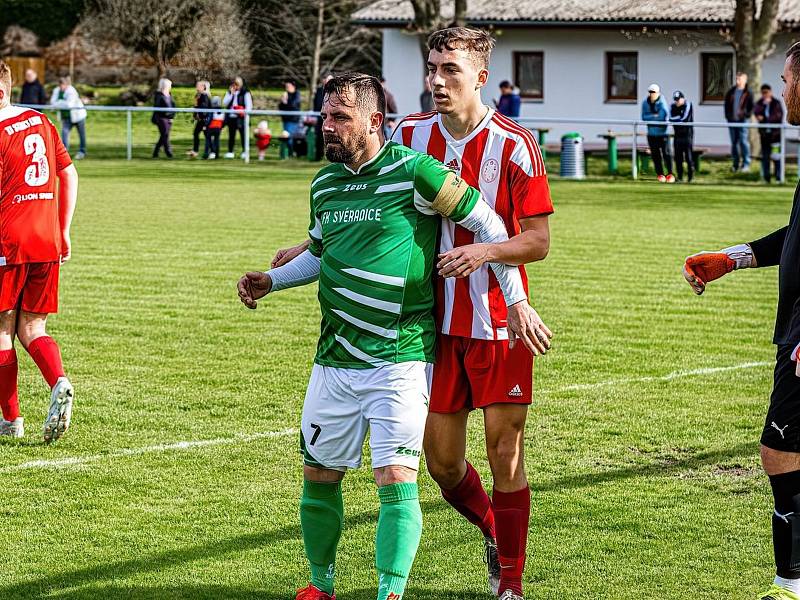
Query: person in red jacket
x=38 y=192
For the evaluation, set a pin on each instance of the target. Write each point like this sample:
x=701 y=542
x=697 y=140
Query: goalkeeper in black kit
x=780 y=438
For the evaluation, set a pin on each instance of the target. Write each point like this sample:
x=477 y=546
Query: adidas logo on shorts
x=516 y=391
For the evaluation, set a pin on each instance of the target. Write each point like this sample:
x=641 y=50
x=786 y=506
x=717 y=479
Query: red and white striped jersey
x=502 y=159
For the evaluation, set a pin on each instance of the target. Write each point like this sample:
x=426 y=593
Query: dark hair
x=357 y=89
x=477 y=43
x=766 y=87
x=793 y=53
x=505 y=84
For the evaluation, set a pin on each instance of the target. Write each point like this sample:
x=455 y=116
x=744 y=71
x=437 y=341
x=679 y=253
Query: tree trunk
x=460 y=16
x=427 y=19
x=317 y=53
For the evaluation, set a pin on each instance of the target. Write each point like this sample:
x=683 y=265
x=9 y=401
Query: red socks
x=9 y=402
x=512 y=511
x=471 y=500
x=45 y=353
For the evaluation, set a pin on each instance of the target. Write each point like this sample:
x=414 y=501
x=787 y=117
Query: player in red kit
x=38 y=192
x=477 y=365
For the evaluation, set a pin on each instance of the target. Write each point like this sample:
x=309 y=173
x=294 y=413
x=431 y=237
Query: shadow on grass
x=656 y=469
x=51 y=584
x=219 y=592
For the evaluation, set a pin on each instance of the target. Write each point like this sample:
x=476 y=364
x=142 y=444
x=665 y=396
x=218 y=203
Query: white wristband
x=741 y=255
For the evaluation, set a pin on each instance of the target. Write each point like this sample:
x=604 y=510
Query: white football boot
x=492 y=565
x=14 y=429
x=60 y=413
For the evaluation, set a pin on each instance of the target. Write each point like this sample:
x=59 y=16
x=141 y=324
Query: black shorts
x=782 y=427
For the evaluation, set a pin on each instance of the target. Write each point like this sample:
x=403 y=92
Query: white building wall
x=575 y=72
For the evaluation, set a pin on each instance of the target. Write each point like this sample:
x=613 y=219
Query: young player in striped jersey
x=476 y=366
x=375 y=216
x=38 y=191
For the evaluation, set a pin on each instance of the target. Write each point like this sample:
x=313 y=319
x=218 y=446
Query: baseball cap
x=677 y=95
x=654 y=88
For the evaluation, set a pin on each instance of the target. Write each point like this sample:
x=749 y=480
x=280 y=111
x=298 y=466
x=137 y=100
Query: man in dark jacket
x=739 y=109
x=769 y=110
x=319 y=96
x=32 y=90
x=680 y=113
x=780 y=437
x=510 y=102
x=290 y=101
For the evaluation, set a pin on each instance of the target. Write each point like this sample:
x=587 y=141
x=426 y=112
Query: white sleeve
x=489 y=229
x=248 y=101
x=300 y=270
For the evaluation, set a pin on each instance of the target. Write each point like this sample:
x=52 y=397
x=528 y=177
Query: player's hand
x=796 y=358
x=463 y=260
x=66 y=248
x=704 y=267
x=253 y=286
x=284 y=255
x=525 y=324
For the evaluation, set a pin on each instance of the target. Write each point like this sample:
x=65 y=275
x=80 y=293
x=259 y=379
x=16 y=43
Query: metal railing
x=635 y=125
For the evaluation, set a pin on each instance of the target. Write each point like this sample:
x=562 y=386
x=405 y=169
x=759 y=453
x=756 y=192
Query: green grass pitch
x=641 y=455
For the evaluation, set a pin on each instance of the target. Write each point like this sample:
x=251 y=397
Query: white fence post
x=782 y=168
x=129 y=135
x=635 y=151
x=246 y=137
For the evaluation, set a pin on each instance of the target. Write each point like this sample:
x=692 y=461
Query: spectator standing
x=768 y=109
x=214 y=130
x=426 y=97
x=238 y=98
x=391 y=109
x=202 y=99
x=72 y=113
x=739 y=109
x=32 y=90
x=680 y=113
x=319 y=95
x=510 y=103
x=163 y=119
x=290 y=101
x=654 y=108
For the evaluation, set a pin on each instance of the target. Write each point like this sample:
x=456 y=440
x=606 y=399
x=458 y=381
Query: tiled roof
x=579 y=11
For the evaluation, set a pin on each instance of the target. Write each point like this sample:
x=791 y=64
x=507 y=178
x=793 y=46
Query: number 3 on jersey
x=38 y=172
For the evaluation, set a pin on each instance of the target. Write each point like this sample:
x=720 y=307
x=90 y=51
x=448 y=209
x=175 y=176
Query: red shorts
x=472 y=373
x=32 y=287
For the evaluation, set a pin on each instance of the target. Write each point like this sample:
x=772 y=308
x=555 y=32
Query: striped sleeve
x=530 y=191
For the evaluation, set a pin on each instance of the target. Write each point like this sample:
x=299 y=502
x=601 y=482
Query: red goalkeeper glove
x=699 y=269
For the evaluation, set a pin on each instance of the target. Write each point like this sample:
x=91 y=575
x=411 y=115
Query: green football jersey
x=375 y=232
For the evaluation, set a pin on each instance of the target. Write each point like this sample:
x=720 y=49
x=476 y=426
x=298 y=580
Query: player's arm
x=301 y=270
x=703 y=267
x=439 y=191
x=284 y=255
x=532 y=205
x=67 y=200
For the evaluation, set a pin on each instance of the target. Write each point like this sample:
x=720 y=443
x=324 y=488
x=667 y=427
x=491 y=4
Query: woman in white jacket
x=73 y=114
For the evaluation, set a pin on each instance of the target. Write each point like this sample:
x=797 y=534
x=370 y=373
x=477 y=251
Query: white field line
x=668 y=377
x=74 y=461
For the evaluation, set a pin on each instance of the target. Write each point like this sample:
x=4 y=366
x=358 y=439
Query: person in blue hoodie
x=655 y=108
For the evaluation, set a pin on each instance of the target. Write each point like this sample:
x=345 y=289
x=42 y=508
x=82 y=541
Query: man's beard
x=793 y=105
x=339 y=152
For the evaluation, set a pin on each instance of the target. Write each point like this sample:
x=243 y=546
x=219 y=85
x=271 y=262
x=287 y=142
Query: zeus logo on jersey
x=354 y=187
x=350 y=216
x=23 y=125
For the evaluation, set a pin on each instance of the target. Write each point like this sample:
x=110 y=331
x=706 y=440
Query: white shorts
x=341 y=404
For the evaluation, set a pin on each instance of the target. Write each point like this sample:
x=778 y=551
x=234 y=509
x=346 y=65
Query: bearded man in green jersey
x=375 y=214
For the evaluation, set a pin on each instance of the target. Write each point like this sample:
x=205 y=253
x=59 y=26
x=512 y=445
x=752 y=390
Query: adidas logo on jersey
x=453 y=164
x=516 y=391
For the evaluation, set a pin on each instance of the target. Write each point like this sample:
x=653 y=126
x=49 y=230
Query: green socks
x=322 y=517
x=397 y=539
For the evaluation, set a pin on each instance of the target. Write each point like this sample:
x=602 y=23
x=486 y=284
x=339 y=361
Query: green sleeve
x=314 y=230
x=440 y=190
